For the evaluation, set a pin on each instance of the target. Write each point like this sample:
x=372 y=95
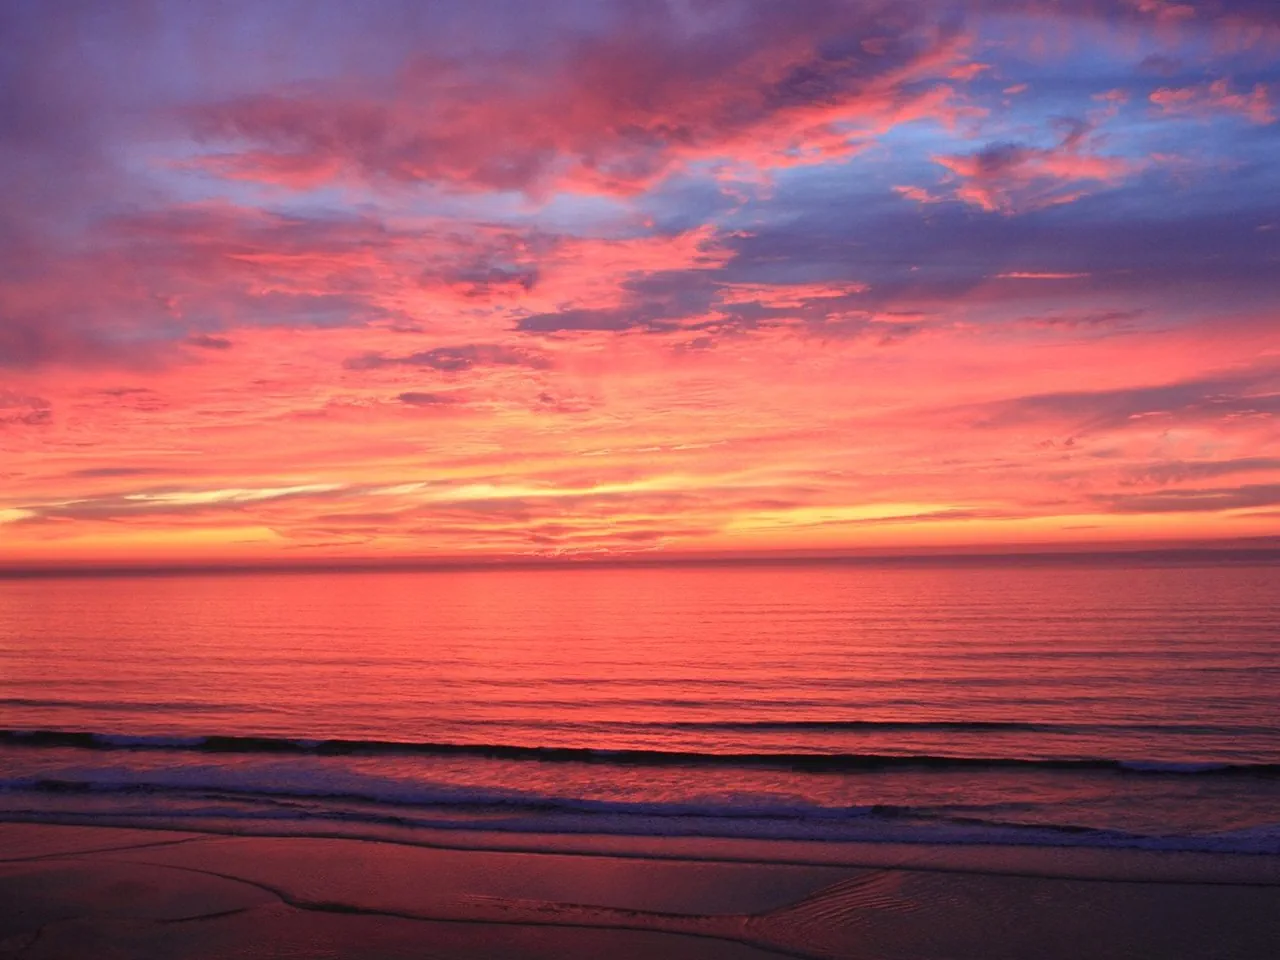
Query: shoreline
x=1032 y=861
x=478 y=894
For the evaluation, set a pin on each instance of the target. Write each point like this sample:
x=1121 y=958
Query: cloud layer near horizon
x=477 y=278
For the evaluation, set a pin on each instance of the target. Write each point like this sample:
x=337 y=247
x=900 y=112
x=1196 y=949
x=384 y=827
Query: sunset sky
x=294 y=281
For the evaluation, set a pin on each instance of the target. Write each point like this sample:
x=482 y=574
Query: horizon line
x=1265 y=549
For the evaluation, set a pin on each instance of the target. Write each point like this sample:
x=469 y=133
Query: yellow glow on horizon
x=835 y=515
x=230 y=495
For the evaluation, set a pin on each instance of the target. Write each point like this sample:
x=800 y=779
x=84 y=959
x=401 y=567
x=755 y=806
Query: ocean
x=1079 y=702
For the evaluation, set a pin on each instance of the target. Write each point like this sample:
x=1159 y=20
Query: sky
x=303 y=281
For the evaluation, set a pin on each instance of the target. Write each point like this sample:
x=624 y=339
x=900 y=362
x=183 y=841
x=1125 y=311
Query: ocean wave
x=961 y=726
x=388 y=795
x=803 y=761
x=761 y=724
x=122 y=706
x=231 y=784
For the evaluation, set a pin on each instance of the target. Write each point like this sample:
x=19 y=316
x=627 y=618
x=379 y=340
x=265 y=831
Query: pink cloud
x=1216 y=98
x=1164 y=9
x=616 y=115
x=153 y=288
x=345 y=373
x=918 y=194
x=1116 y=96
x=969 y=71
x=792 y=295
x=1010 y=177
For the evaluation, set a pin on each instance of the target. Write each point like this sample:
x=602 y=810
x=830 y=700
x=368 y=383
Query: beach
x=926 y=762
x=79 y=891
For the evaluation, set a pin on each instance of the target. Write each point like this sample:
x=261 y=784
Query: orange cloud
x=1035 y=275
x=269 y=447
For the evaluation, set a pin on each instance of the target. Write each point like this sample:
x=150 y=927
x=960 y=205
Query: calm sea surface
x=1073 y=702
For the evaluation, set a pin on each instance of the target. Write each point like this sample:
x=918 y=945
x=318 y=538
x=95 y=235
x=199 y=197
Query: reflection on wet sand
x=70 y=891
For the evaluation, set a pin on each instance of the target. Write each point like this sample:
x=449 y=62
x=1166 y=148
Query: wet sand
x=75 y=891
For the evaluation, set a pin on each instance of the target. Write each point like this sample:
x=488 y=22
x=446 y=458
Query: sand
x=106 y=892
